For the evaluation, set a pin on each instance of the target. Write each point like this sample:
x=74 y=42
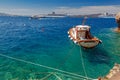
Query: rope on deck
x=51 y=68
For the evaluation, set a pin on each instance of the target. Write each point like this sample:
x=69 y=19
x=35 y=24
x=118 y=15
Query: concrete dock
x=114 y=73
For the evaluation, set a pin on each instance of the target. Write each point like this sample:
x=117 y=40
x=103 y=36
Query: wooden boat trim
x=85 y=40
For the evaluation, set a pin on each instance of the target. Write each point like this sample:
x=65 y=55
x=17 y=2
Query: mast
x=84 y=20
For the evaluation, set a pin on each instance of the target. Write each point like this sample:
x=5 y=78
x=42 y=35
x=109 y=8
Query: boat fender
x=75 y=42
x=71 y=38
x=68 y=32
x=100 y=41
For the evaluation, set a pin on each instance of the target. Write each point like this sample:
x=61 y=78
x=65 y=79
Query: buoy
x=24 y=24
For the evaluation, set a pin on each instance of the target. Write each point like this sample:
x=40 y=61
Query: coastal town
x=59 y=15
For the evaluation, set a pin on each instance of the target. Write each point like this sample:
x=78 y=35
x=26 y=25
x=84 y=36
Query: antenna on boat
x=84 y=20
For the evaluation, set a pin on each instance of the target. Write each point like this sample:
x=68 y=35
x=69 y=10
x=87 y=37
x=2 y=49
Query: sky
x=34 y=7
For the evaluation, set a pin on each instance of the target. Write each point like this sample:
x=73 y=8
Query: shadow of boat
x=96 y=55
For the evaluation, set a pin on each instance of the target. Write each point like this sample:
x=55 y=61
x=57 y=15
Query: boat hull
x=89 y=44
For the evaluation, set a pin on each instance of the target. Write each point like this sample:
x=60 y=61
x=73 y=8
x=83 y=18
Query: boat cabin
x=83 y=32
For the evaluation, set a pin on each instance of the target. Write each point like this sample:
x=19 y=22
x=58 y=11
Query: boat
x=81 y=35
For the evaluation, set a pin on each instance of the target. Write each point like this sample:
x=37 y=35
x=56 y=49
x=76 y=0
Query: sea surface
x=25 y=44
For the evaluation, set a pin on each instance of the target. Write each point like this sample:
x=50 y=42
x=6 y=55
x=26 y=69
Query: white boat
x=80 y=35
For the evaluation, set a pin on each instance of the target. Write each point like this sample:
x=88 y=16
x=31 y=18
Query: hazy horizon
x=33 y=7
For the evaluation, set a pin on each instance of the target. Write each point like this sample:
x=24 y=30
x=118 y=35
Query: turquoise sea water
x=46 y=42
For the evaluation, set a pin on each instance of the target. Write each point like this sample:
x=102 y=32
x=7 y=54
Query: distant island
x=99 y=15
x=11 y=15
x=4 y=14
x=54 y=15
x=58 y=15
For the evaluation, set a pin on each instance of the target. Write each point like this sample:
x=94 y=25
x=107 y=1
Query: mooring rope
x=66 y=57
x=61 y=71
x=83 y=64
x=57 y=77
x=46 y=76
x=74 y=77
